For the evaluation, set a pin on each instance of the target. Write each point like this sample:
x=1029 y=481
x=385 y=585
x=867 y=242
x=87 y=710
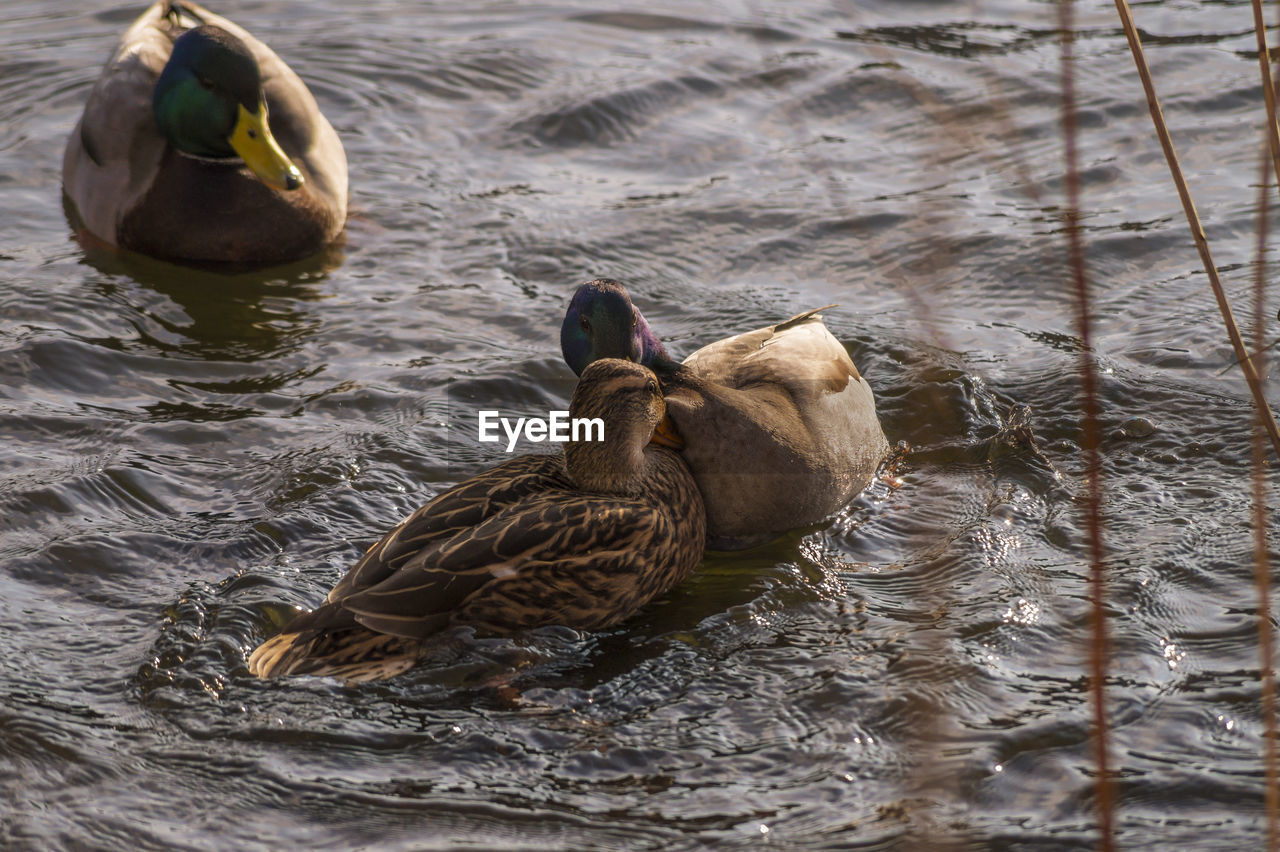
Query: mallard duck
x=582 y=539
x=779 y=428
x=174 y=156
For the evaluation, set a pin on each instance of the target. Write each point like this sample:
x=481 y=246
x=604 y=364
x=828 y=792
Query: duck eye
x=635 y=321
x=652 y=386
x=584 y=323
x=205 y=82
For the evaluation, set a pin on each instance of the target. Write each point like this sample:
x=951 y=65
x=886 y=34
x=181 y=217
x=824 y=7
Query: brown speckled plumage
x=582 y=540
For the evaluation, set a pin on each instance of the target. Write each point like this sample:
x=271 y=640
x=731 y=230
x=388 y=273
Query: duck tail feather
x=799 y=318
x=182 y=15
x=277 y=655
x=354 y=655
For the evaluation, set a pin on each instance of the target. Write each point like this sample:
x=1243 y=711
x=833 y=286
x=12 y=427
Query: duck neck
x=613 y=466
x=652 y=353
x=675 y=375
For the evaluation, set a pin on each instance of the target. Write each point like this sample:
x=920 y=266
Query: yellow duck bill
x=253 y=141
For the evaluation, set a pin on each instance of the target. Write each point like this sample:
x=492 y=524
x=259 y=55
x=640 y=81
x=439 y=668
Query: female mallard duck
x=779 y=428
x=583 y=540
x=174 y=157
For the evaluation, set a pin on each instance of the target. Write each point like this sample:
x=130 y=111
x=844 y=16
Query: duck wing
x=112 y=155
x=780 y=429
x=575 y=560
x=561 y=557
x=463 y=506
x=799 y=355
x=775 y=391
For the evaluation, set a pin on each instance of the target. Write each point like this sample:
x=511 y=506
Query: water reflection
x=212 y=313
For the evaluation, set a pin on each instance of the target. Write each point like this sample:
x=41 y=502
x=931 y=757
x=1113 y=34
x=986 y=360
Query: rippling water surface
x=187 y=456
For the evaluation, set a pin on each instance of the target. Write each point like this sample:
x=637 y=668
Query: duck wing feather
x=780 y=428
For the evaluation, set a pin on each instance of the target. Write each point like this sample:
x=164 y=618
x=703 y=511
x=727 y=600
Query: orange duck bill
x=665 y=434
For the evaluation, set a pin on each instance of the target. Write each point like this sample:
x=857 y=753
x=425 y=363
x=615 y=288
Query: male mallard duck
x=174 y=156
x=779 y=428
x=583 y=540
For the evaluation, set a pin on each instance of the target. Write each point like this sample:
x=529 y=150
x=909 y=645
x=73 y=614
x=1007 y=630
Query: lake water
x=187 y=456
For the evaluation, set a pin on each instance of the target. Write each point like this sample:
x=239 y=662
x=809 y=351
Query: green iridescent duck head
x=208 y=102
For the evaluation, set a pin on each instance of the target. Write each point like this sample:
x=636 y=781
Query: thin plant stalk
x=1268 y=88
x=1261 y=560
x=935 y=779
x=1104 y=800
x=1197 y=231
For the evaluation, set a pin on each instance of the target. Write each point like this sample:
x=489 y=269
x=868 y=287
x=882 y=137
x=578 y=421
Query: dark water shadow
x=233 y=312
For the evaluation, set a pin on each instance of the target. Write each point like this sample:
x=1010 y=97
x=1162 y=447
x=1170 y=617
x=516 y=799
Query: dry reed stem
x=957 y=136
x=1261 y=561
x=1104 y=800
x=1268 y=90
x=1264 y=422
x=933 y=780
x=1197 y=231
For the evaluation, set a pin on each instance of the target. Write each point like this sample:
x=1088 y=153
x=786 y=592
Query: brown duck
x=582 y=539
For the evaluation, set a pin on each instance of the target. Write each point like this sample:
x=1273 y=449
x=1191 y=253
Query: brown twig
x=1261 y=560
x=1268 y=85
x=1098 y=644
x=1197 y=231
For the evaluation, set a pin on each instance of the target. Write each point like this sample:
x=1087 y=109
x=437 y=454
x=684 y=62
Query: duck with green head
x=582 y=539
x=198 y=143
x=779 y=428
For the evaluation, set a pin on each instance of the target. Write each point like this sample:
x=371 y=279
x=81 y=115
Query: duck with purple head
x=780 y=429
